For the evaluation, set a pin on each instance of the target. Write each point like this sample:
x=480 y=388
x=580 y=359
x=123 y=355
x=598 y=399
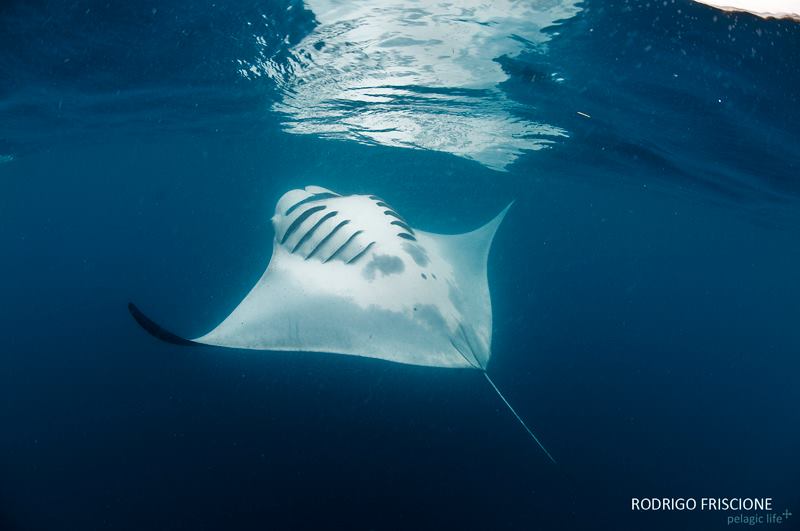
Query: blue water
x=645 y=283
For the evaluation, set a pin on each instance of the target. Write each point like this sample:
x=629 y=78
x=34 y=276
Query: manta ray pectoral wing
x=156 y=330
x=297 y=306
x=470 y=250
x=468 y=255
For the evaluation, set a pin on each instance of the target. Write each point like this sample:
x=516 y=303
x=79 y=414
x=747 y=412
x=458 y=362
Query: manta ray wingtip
x=156 y=330
x=505 y=210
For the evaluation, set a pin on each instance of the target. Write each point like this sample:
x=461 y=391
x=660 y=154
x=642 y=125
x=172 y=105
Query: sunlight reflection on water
x=415 y=75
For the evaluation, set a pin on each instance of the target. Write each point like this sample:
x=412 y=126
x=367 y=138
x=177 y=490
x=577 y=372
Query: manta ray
x=349 y=275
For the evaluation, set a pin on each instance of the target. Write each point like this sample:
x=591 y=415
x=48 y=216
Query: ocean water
x=644 y=285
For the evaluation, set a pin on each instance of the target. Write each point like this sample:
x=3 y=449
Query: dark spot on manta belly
x=386 y=264
x=418 y=253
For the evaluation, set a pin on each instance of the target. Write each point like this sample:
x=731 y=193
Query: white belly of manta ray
x=348 y=275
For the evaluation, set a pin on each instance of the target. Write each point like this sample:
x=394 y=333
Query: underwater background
x=644 y=285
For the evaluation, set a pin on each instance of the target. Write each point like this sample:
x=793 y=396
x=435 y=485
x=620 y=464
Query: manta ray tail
x=518 y=417
x=157 y=331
